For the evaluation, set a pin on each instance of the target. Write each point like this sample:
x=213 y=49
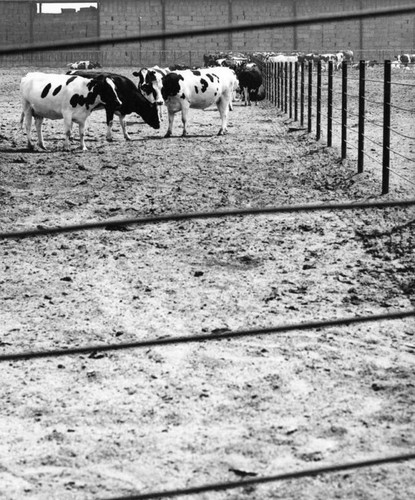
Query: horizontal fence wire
x=397 y=132
x=406 y=110
x=309 y=325
x=373 y=142
x=411 y=160
x=282 y=23
x=401 y=176
x=372 y=158
x=312 y=472
x=403 y=84
x=204 y=215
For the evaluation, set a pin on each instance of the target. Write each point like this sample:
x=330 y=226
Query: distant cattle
x=84 y=65
x=132 y=101
x=370 y=63
x=406 y=59
x=282 y=58
x=250 y=80
x=63 y=97
x=198 y=89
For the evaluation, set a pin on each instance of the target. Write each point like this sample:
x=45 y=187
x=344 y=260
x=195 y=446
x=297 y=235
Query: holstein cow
x=406 y=59
x=250 y=80
x=62 y=97
x=150 y=84
x=84 y=65
x=198 y=89
x=132 y=101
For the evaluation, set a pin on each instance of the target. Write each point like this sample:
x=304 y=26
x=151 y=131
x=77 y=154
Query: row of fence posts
x=285 y=87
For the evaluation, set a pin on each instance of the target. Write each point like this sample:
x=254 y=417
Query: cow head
x=147 y=110
x=150 y=86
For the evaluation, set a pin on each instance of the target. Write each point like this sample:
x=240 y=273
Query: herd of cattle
x=73 y=96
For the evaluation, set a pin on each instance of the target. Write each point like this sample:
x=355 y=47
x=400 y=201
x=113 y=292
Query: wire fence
x=284 y=93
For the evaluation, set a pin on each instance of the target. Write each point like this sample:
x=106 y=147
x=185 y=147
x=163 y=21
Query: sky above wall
x=56 y=7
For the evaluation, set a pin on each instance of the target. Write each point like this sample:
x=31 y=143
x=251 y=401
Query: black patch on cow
x=89 y=99
x=210 y=77
x=45 y=91
x=171 y=85
x=71 y=79
x=183 y=96
x=204 y=84
x=57 y=90
x=196 y=73
x=196 y=89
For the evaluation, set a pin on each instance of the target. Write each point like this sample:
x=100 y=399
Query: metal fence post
x=285 y=88
x=310 y=95
x=361 y=127
x=296 y=91
x=274 y=65
x=386 y=127
x=291 y=90
x=344 y=111
x=330 y=106
x=302 y=94
x=318 y=109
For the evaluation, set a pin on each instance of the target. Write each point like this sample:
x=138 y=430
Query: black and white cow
x=199 y=89
x=63 y=97
x=250 y=80
x=84 y=65
x=150 y=82
x=132 y=101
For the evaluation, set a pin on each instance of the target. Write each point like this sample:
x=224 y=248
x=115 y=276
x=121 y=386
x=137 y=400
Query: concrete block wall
x=16 y=22
x=387 y=36
x=70 y=25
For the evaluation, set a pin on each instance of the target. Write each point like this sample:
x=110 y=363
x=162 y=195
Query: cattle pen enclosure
x=104 y=424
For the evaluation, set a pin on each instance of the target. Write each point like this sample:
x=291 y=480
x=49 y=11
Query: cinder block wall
x=380 y=37
x=71 y=25
x=367 y=38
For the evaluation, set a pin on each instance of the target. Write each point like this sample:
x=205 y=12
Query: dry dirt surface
x=104 y=425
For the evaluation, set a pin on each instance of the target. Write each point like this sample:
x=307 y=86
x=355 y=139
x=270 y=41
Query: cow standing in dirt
x=250 y=80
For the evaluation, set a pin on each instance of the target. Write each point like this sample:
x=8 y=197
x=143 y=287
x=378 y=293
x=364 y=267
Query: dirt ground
x=107 y=425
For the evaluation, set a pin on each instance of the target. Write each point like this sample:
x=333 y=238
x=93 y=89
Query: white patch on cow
x=56 y=97
x=197 y=90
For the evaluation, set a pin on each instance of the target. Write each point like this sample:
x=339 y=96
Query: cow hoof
x=167 y=135
x=222 y=132
x=110 y=139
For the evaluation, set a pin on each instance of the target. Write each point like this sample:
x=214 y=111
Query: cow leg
x=67 y=124
x=185 y=112
x=38 y=124
x=110 y=121
x=170 y=128
x=124 y=127
x=82 y=136
x=247 y=97
x=223 y=107
x=28 y=127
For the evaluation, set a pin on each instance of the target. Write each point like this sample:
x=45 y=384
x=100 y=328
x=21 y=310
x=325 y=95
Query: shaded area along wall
x=370 y=38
